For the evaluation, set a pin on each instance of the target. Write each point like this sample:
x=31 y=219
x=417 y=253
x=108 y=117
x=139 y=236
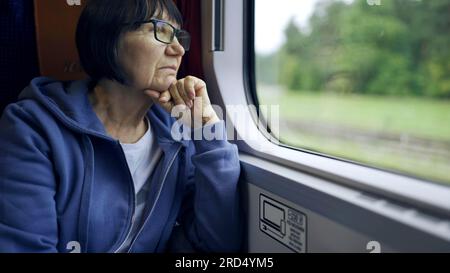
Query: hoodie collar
x=69 y=103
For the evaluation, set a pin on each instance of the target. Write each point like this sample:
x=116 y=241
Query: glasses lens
x=164 y=32
x=184 y=38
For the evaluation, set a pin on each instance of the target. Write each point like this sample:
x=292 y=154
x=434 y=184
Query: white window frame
x=224 y=70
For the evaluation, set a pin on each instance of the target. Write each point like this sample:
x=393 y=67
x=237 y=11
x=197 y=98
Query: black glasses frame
x=184 y=38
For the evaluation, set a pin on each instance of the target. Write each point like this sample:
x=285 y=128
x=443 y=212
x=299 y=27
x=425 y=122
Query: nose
x=175 y=48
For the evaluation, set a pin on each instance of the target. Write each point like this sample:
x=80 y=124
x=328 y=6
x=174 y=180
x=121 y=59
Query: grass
x=417 y=117
x=433 y=168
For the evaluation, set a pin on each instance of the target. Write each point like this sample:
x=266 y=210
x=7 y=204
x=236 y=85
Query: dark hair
x=100 y=26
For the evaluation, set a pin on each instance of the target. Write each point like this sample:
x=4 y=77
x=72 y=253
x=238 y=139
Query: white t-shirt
x=142 y=158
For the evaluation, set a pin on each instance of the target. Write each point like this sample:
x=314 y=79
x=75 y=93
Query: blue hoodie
x=64 y=182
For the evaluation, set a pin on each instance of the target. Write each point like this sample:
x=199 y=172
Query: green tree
x=401 y=47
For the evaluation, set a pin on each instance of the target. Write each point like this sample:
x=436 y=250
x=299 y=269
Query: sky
x=272 y=17
x=270 y=24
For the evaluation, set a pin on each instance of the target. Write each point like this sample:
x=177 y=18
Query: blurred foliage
x=401 y=47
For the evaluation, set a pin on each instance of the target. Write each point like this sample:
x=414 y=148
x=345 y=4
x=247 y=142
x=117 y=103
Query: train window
x=361 y=80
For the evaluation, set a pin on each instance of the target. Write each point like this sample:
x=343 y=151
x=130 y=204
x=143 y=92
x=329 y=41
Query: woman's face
x=148 y=63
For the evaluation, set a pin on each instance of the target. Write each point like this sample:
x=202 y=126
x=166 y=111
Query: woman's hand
x=189 y=96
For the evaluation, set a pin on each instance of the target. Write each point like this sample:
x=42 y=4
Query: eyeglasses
x=166 y=33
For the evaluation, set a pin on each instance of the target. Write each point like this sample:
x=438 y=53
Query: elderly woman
x=93 y=165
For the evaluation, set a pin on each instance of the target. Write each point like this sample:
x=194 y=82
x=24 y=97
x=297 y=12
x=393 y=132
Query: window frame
x=239 y=23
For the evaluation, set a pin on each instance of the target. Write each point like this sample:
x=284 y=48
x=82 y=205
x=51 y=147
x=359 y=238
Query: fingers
x=190 y=92
x=183 y=86
x=198 y=84
x=175 y=94
x=180 y=89
x=164 y=99
x=152 y=94
x=189 y=87
x=165 y=96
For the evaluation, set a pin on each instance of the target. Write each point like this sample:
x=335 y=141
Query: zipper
x=156 y=200
x=133 y=197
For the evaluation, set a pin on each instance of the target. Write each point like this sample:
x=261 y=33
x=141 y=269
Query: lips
x=171 y=67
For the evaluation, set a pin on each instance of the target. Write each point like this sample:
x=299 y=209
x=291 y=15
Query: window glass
x=363 y=80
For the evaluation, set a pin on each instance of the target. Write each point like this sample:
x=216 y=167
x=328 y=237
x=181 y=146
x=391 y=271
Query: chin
x=165 y=86
x=162 y=85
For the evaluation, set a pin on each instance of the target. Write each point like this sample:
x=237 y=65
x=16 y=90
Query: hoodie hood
x=68 y=102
